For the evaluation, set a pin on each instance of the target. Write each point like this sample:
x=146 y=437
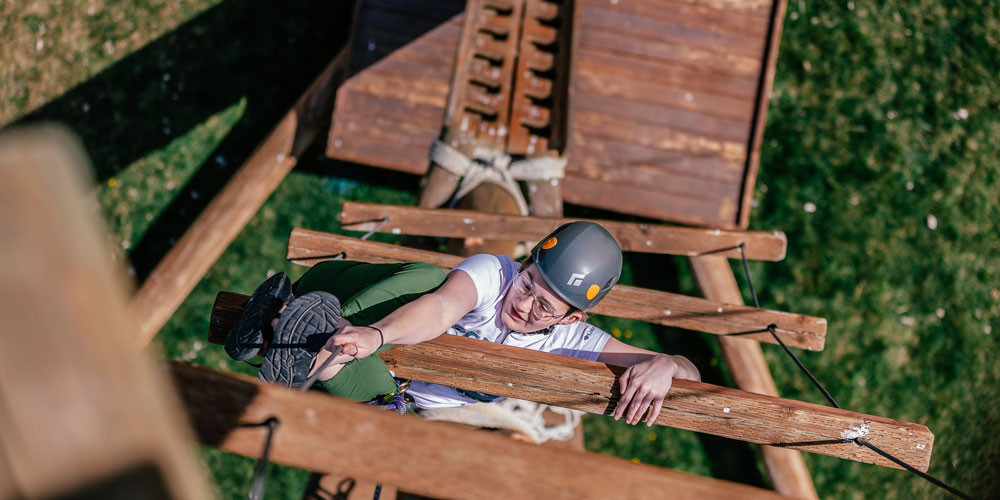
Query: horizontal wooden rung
x=321 y=433
x=633 y=237
x=590 y=386
x=805 y=332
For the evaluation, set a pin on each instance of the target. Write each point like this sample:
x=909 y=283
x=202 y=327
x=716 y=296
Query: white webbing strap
x=492 y=165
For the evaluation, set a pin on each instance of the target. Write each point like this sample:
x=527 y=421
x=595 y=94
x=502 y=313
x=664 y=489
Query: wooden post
x=748 y=367
x=323 y=433
x=228 y=213
x=633 y=237
x=592 y=387
x=83 y=411
x=693 y=313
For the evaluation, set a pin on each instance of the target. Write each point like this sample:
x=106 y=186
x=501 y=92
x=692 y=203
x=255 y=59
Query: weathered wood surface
x=591 y=387
x=411 y=77
x=805 y=332
x=760 y=117
x=633 y=237
x=745 y=362
x=83 y=411
x=667 y=109
x=176 y=275
x=325 y=434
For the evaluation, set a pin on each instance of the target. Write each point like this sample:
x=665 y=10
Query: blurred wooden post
x=83 y=412
x=229 y=212
x=750 y=371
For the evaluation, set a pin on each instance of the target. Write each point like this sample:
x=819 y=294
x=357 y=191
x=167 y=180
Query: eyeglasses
x=540 y=309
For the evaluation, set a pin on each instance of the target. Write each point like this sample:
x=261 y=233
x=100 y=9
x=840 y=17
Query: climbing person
x=539 y=304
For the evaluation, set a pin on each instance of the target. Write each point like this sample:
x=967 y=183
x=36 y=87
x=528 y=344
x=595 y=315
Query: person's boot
x=303 y=329
x=247 y=337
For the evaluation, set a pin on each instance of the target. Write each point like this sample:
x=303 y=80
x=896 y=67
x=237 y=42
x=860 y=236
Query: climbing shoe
x=303 y=329
x=246 y=338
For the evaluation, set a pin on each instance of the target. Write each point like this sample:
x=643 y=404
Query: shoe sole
x=302 y=331
x=246 y=338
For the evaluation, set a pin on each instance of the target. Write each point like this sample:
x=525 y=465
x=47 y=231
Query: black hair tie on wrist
x=381 y=338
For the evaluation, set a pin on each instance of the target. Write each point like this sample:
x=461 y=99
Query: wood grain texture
x=805 y=332
x=81 y=408
x=632 y=237
x=683 y=77
x=175 y=276
x=592 y=387
x=326 y=434
x=770 y=58
x=745 y=362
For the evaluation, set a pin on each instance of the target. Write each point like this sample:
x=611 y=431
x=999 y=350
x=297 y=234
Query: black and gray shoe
x=246 y=338
x=303 y=329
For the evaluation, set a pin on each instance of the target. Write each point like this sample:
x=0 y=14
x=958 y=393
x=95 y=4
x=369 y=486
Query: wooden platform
x=666 y=103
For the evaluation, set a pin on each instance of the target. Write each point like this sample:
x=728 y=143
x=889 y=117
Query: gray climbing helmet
x=580 y=261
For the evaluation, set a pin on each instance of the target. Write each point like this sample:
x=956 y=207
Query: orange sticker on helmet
x=549 y=243
x=592 y=291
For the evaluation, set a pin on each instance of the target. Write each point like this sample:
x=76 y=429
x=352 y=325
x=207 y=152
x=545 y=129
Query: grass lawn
x=880 y=162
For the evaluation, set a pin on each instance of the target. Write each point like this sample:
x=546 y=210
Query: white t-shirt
x=493 y=275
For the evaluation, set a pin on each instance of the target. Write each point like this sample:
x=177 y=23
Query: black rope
x=258 y=483
x=907 y=466
x=859 y=440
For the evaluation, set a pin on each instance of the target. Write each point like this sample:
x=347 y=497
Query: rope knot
x=490 y=164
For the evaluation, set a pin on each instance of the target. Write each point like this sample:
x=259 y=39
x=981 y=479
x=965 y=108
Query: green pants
x=368 y=293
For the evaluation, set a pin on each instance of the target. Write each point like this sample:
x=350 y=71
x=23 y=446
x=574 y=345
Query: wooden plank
x=651 y=203
x=408 y=68
x=607 y=152
x=425 y=458
x=672 y=52
x=659 y=137
x=656 y=176
x=597 y=60
x=83 y=411
x=745 y=361
x=757 y=134
x=421 y=92
x=417 y=115
x=643 y=113
x=756 y=8
x=692 y=15
x=184 y=265
x=640 y=26
x=377 y=152
x=590 y=386
x=391 y=132
x=632 y=237
x=657 y=93
x=311 y=247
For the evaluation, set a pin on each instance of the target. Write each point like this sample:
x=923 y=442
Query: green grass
x=880 y=162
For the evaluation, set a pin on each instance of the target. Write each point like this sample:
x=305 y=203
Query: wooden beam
x=770 y=57
x=805 y=332
x=592 y=387
x=83 y=411
x=229 y=212
x=633 y=237
x=745 y=361
x=326 y=434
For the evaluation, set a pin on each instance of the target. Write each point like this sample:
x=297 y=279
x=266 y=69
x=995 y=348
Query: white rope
x=492 y=165
x=523 y=417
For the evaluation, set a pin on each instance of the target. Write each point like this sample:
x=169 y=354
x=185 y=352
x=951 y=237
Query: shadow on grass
x=730 y=460
x=266 y=53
